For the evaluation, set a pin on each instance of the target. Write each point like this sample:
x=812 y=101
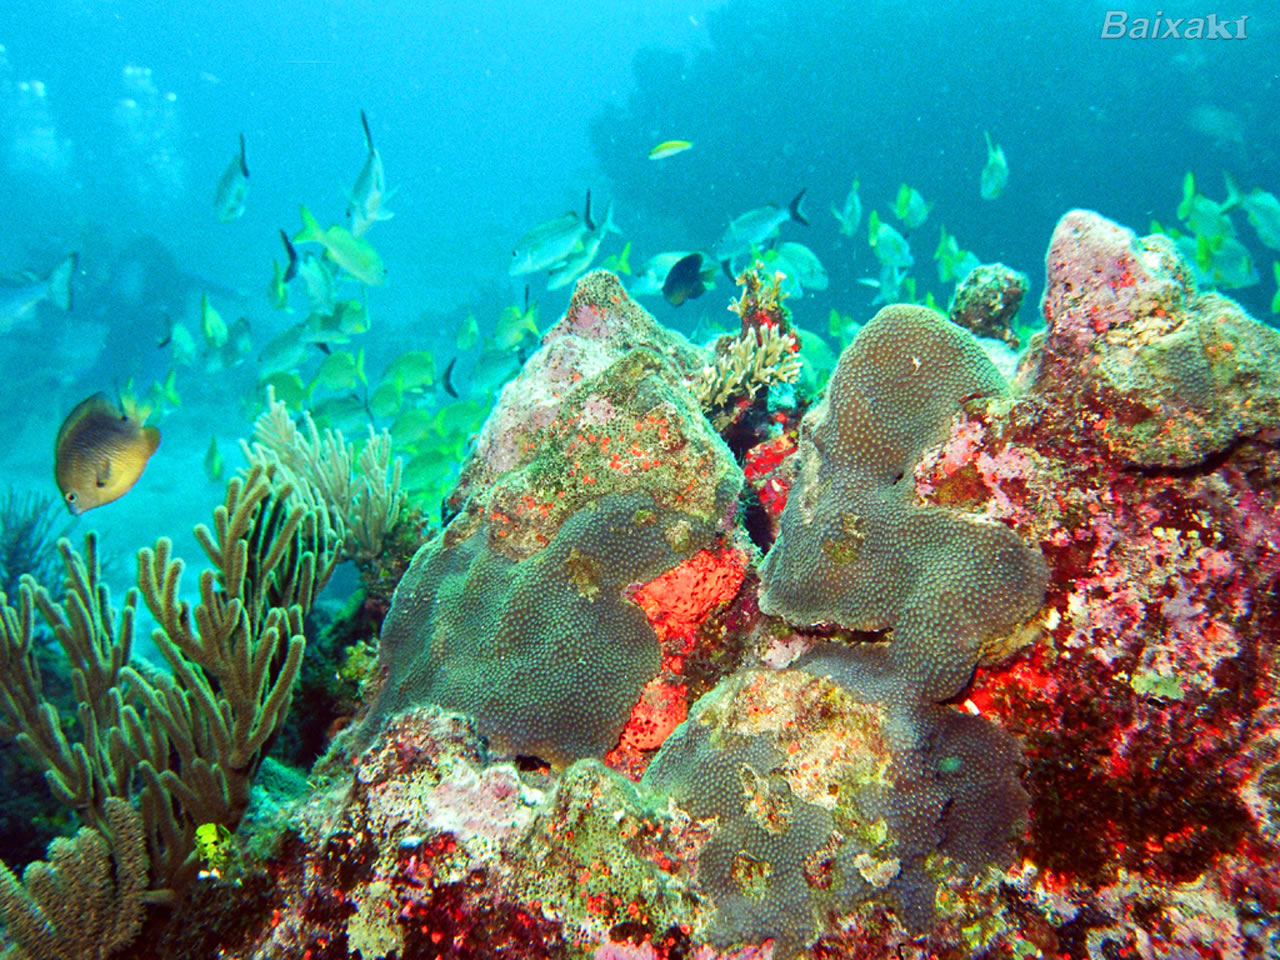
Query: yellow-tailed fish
x=234 y=351
x=285 y=351
x=619 y=262
x=213 y=461
x=669 y=148
x=182 y=346
x=353 y=254
x=851 y=214
x=348 y=318
x=414 y=370
x=286 y=386
x=100 y=453
x=161 y=397
x=910 y=208
x=277 y=292
x=386 y=399
x=803 y=270
x=320 y=279
x=233 y=187
x=212 y=325
x=890 y=246
x=1264 y=213
x=514 y=324
x=365 y=203
x=341 y=370
x=468 y=334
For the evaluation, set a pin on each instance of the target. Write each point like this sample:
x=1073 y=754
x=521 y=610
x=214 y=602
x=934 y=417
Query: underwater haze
x=492 y=118
x=367 y=215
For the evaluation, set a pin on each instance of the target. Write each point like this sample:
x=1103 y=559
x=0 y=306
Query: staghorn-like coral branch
x=758 y=358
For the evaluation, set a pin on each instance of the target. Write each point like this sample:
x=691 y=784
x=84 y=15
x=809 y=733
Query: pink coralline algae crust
x=1136 y=361
x=612 y=433
x=1147 y=707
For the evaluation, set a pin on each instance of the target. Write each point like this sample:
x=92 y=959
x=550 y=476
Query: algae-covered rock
x=987 y=300
x=1163 y=374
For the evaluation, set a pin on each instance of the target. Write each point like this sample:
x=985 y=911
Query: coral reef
x=87 y=900
x=1144 y=707
x=821 y=802
x=364 y=503
x=1009 y=689
x=763 y=353
x=1139 y=361
x=595 y=474
x=751 y=362
x=31 y=524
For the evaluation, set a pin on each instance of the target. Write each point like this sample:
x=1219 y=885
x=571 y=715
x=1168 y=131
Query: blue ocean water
x=491 y=118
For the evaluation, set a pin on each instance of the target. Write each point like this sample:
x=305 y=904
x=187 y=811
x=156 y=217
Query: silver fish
x=19 y=301
x=750 y=230
x=576 y=263
x=995 y=174
x=365 y=203
x=320 y=281
x=1264 y=213
x=801 y=265
x=233 y=188
x=852 y=212
x=551 y=242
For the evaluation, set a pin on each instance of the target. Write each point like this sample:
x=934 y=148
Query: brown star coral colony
x=931 y=665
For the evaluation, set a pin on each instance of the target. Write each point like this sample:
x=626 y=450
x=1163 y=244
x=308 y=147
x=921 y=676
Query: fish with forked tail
x=100 y=453
x=365 y=202
x=551 y=242
x=233 y=188
x=753 y=229
x=19 y=301
x=995 y=175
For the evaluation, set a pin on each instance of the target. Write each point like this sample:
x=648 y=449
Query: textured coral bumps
x=823 y=803
x=856 y=550
x=596 y=473
x=1159 y=374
